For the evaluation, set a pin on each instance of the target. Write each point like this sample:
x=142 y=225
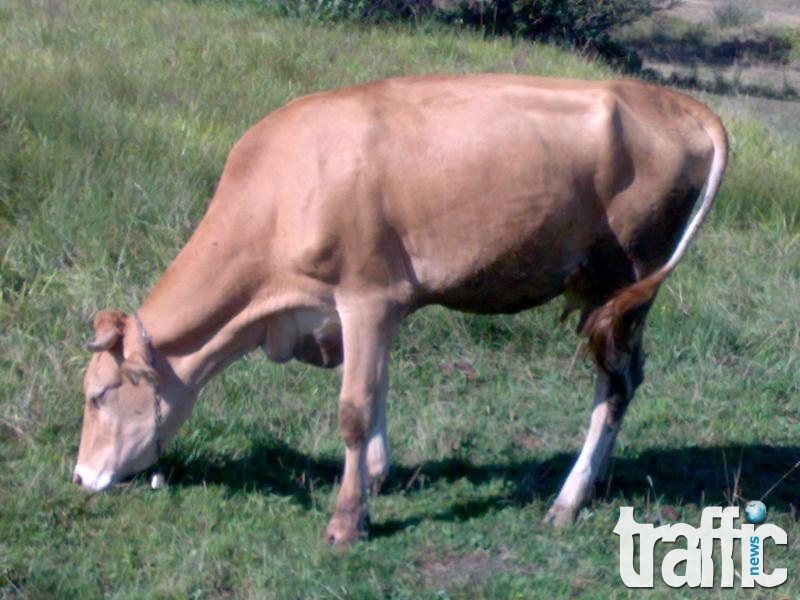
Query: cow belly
x=511 y=261
x=506 y=286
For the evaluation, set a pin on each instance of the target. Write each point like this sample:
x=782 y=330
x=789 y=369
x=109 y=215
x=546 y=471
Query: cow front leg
x=613 y=393
x=367 y=336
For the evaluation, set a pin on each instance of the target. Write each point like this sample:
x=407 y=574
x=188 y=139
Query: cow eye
x=96 y=399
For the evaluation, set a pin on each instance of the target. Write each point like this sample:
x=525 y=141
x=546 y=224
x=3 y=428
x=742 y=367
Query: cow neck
x=200 y=315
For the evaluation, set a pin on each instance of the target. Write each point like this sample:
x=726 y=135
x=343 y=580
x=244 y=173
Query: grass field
x=115 y=120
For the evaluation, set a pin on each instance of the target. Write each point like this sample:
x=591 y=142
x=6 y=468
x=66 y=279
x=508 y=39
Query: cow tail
x=607 y=326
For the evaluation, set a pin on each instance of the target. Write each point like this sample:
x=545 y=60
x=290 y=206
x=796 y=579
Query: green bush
x=364 y=11
x=584 y=24
x=493 y=17
x=580 y=22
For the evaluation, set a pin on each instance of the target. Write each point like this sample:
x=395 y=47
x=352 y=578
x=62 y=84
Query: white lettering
x=778 y=535
x=692 y=556
x=697 y=556
x=626 y=528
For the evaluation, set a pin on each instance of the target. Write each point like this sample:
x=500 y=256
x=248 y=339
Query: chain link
x=156 y=396
x=158 y=420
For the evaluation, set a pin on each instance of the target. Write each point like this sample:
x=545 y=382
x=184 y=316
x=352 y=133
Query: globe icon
x=756 y=511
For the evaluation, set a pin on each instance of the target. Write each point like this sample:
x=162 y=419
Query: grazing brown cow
x=343 y=212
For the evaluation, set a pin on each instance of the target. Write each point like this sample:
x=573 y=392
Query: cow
x=342 y=212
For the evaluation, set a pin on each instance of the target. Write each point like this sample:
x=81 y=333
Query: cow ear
x=138 y=360
x=109 y=327
x=134 y=369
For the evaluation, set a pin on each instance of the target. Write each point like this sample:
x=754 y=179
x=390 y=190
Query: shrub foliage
x=585 y=24
x=582 y=23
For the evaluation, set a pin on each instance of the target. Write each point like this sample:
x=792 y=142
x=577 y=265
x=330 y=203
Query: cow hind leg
x=378 y=449
x=617 y=378
x=367 y=333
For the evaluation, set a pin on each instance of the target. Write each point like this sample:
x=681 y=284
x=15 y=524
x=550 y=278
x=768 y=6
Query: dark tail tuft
x=608 y=326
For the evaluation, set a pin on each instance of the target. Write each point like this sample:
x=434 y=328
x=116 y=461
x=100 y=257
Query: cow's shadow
x=675 y=476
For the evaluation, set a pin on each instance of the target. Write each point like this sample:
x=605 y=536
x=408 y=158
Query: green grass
x=115 y=120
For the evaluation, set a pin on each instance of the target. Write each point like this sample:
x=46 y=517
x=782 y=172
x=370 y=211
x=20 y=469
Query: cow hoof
x=560 y=516
x=346 y=527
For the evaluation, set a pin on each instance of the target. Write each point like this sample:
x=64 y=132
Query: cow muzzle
x=91 y=480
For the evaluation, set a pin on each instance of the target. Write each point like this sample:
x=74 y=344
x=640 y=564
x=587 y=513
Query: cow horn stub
x=109 y=326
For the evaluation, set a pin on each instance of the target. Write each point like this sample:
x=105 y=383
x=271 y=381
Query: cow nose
x=77 y=478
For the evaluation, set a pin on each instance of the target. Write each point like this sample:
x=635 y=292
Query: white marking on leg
x=596 y=449
x=377 y=455
x=378 y=444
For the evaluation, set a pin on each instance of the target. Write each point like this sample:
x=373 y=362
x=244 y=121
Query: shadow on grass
x=693 y=48
x=696 y=46
x=719 y=85
x=691 y=475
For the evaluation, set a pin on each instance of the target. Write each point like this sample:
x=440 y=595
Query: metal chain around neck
x=156 y=396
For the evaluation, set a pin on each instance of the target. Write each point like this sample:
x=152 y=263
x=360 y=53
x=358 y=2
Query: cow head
x=120 y=433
